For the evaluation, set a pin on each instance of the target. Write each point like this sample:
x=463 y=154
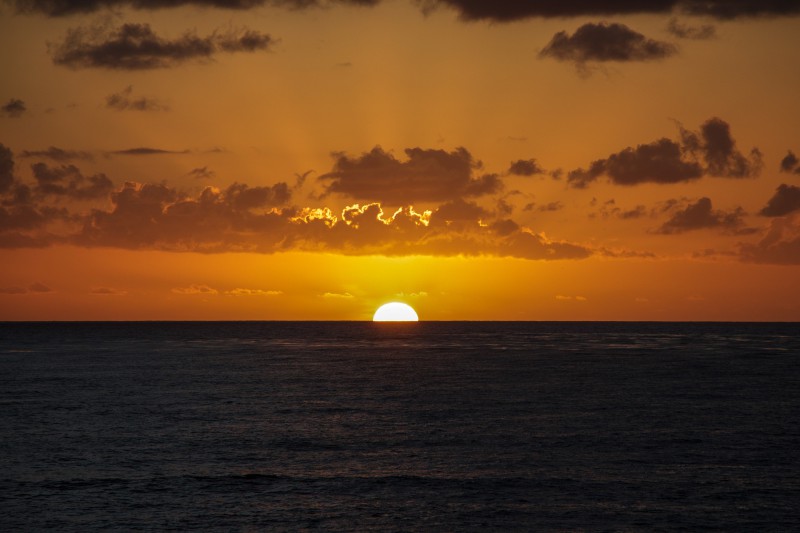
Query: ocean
x=430 y=426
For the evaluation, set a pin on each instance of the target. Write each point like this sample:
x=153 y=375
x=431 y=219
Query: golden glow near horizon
x=311 y=160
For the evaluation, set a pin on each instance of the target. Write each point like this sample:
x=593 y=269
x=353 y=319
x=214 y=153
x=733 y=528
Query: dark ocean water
x=400 y=427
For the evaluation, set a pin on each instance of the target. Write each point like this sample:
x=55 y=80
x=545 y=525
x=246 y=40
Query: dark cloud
x=136 y=47
x=657 y=162
x=57 y=154
x=510 y=10
x=426 y=175
x=154 y=216
x=715 y=143
x=242 y=218
x=785 y=200
x=145 y=150
x=605 y=42
x=122 y=101
x=525 y=167
x=610 y=209
x=700 y=215
x=6 y=168
x=731 y=9
x=59 y=8
x=201 y=173
x=458 y=211
x=685 y=31
x=242 y=197
x=789 y=163
x=667 y=161
x=780 y=246
x=13 y=108
x=68 y=181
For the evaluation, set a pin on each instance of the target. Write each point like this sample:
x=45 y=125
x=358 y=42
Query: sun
x=395 y=312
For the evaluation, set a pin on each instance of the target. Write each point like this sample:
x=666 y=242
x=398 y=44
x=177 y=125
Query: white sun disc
x=395 y=312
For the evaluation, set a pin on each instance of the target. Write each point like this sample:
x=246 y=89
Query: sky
x=314 y=159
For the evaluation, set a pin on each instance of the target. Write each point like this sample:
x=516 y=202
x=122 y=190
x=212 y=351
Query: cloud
x=511 y=10
x=338 y=295
x=107 y=291
x=67 y=180
x=195 y=289
x=728 y=9
x=658 y=162
x=144 y=150
x=525 y=167
x=780 y=246
x=715 y=143
x=252 y=292
x=39 y=287
x=458 y=210
x=6 y=168
x=426 y=175
x=605 y=42
x=33 y=288
x=700 y=215
x=789 y=163
x=785 y=200
x=14 y=289
x=57 y=154
x=201 y=173
x=564 y=298
x=666 y=161
x=685 y=31
x=14 y=108
x=60 y=8
x=243 y=218
x=136 y=47
x=122 y=101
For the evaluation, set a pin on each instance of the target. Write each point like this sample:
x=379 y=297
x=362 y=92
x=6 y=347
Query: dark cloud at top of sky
x=785 y=200
x=146 y=150
x=511 y=10
x=700 y=215
x=686 y=31
x=13 y=108
x=605 y=42
x=667 y=161
x=136 y=47
x=525 y=167
x=426 y=175
x=731 y=9
x=57 y=154
x=59 y=8
x=122 y=101
x=789 y=163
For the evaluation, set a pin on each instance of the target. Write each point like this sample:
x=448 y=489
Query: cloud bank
x=262 y=218
x=137 y=47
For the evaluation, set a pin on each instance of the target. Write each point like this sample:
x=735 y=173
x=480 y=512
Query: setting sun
x=395 y=312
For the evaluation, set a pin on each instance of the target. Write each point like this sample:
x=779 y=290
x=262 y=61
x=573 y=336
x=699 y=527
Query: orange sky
x=223 y=159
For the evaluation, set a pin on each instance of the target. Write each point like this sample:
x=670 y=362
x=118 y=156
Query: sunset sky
x=313 y=159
